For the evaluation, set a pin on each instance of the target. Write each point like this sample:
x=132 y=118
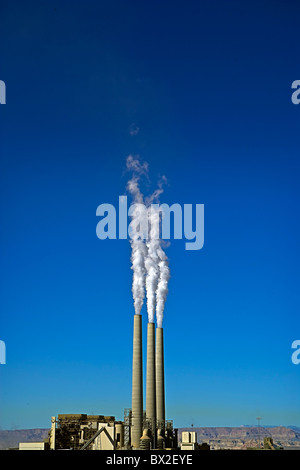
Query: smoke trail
x=162 y=286
x=138 y=254
x=151 y=262
x=148 y=260
x=138 y=248
x=156 y=263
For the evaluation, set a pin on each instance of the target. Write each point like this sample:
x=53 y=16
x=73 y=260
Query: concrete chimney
x=160 y=380
x=150 y=381
x=137 y=384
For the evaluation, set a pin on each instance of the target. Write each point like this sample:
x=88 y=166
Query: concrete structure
x=189 y=441
x=150 y=382
x=106 y=439
x=161 y=442
x=52 y=433
x=119 y=434
x=137 y=384
x=32 y=446
x=160 y=380
x=145 y=441
x=82 y=431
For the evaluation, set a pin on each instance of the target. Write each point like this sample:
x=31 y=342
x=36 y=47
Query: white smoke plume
x=138 y=248
x=157 y=269
x=149 y=262
x=138 y=254
x=162 y=286
x=157 y=263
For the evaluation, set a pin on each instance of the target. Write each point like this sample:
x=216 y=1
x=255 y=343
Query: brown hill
x=11 y=439
x=217 y=437
x=243 y=436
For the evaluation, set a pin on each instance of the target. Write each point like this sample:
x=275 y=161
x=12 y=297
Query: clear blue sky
x=208 y=84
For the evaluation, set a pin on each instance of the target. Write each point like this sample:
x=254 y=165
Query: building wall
x=102 y=442
x=31 y=446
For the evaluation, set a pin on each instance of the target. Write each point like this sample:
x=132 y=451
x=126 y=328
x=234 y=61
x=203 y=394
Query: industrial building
x=149 y=430
x=81 y=432
x=141 y=429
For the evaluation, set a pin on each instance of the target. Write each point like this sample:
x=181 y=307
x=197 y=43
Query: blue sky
x=208 y=84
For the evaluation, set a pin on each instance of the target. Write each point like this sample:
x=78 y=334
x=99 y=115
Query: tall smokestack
x=150 y=380
x=137 y=383
x=160 y=381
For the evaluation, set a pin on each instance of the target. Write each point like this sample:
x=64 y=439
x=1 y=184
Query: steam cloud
x=149 y=262
x=138 y=249
x=152 y=263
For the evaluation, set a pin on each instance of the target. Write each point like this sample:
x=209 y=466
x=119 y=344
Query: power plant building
x=141 y=429
x=149 y=430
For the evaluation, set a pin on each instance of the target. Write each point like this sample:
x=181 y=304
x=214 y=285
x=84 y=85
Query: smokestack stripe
x=137 y=383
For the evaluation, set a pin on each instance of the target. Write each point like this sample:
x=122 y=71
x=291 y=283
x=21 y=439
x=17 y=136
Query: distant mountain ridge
x=246 y=436
x=229 y=437
x=245 y=431
x=11 y=439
